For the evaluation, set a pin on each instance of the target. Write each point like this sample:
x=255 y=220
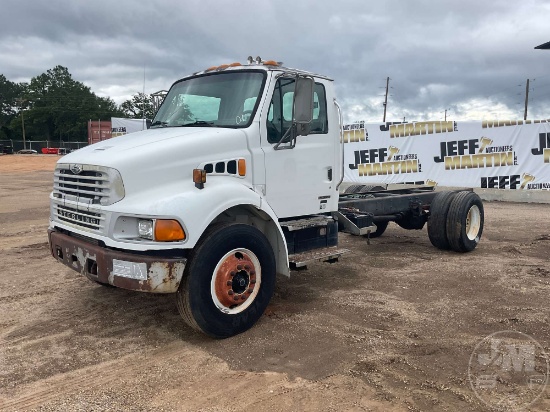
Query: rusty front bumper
x=124 y=270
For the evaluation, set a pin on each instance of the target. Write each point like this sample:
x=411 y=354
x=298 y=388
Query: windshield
x=217 y=100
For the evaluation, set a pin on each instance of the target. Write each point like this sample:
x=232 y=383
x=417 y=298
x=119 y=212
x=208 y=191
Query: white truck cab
x=224 y=151
x=239 y=171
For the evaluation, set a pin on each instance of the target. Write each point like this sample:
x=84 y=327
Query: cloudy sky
x=471 y=57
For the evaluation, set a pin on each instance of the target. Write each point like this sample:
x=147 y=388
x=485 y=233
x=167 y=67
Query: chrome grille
x=90 y=220
x=87 y=184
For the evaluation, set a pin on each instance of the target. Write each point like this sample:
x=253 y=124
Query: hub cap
x=236 y=281
x=473 y=222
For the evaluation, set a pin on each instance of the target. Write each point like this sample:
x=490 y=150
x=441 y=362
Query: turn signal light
x=199 y=178
x=242 y=167
x=168 y=231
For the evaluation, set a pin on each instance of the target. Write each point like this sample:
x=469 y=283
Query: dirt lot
x=390 y=327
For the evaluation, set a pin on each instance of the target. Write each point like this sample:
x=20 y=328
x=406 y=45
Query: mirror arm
x=292 y=141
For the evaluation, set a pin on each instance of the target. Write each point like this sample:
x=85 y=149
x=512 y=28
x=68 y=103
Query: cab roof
x=267 y=65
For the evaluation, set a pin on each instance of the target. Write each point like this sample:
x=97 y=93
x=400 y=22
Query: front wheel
x=228 y=281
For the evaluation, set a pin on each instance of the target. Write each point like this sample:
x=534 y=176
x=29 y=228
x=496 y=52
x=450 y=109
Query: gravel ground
x=393 y=326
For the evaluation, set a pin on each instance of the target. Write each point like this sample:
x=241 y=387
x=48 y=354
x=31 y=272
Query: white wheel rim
x=242 y=267
x=473 y=222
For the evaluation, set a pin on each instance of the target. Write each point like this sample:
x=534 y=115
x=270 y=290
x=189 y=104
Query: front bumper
x=131 y=271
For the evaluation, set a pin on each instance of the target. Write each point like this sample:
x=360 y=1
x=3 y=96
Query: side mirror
x=303 y=104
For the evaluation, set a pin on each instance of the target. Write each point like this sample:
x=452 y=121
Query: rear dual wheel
x=456 y=221
x=437 y=222
x=465 y=222
x=228 y=281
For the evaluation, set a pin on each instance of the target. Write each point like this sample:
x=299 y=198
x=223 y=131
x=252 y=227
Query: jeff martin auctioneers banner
x=486 y=154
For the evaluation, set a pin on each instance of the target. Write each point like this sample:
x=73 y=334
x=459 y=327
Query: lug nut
x=233 y=274
x=236 y=298
x=229 y=283
x=230 y=292
x=250 y=290
x=239 y=267
x=243 y=297
x=252 y=273
x=246 y=267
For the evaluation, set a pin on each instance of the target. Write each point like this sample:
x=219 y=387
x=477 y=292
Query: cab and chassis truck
x=236 y=181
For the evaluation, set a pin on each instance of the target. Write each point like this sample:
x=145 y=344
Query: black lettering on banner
x=386 y=127
x=501 y=182
x=544 y=143
x=369 y=156
x=456 y=148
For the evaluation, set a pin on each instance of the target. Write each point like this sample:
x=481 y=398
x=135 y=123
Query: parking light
x=168 y=231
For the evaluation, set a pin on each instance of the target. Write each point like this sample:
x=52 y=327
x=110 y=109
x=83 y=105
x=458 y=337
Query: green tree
x=135 y=107
x=59 y=107
x=9 y=92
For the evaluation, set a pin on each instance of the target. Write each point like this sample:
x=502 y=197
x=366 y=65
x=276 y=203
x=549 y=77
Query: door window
x=279 y=117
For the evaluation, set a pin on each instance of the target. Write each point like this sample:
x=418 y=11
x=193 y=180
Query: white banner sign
x=122 y=126
x=489 y=154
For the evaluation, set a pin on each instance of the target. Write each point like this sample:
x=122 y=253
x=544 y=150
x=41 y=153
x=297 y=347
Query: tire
x=465 y=222
x=380 y=229
x=208 y=298
x=437 y=222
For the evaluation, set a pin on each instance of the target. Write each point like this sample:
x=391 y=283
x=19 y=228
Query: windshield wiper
x=198 y=123
x=159 y=123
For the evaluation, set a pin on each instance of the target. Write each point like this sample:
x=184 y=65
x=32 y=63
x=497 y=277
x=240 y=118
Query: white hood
x=162 y=155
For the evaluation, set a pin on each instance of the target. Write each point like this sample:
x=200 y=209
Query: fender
x=219 y=199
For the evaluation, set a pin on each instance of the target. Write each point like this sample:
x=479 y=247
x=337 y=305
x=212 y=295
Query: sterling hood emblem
x=76 y=169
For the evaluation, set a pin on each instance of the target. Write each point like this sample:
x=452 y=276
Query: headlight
x=160 y=230
x=145 y=228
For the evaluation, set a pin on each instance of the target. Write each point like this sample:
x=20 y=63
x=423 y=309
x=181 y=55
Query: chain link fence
x=14 y=146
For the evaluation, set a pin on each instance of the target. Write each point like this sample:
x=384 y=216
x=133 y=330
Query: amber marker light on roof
x=168 y=231
x=242 y=167
x=270 y=63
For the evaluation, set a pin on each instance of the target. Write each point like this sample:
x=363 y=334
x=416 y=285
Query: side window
x=319 y=125
x=279 y=117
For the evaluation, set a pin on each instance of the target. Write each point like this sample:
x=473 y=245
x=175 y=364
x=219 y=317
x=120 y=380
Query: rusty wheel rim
x=236 y=281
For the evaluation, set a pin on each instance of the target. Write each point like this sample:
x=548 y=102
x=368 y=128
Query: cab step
x=326 y=254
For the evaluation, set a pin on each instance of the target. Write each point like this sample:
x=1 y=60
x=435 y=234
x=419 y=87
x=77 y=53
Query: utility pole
x=23 y=128
x=21 y=101
x=386 y=99
x=526 y=99
x=446 y=113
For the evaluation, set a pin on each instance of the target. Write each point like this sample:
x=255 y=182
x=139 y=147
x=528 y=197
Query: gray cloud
x=471 y=57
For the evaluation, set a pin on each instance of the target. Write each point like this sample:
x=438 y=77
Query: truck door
x=299 y=180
